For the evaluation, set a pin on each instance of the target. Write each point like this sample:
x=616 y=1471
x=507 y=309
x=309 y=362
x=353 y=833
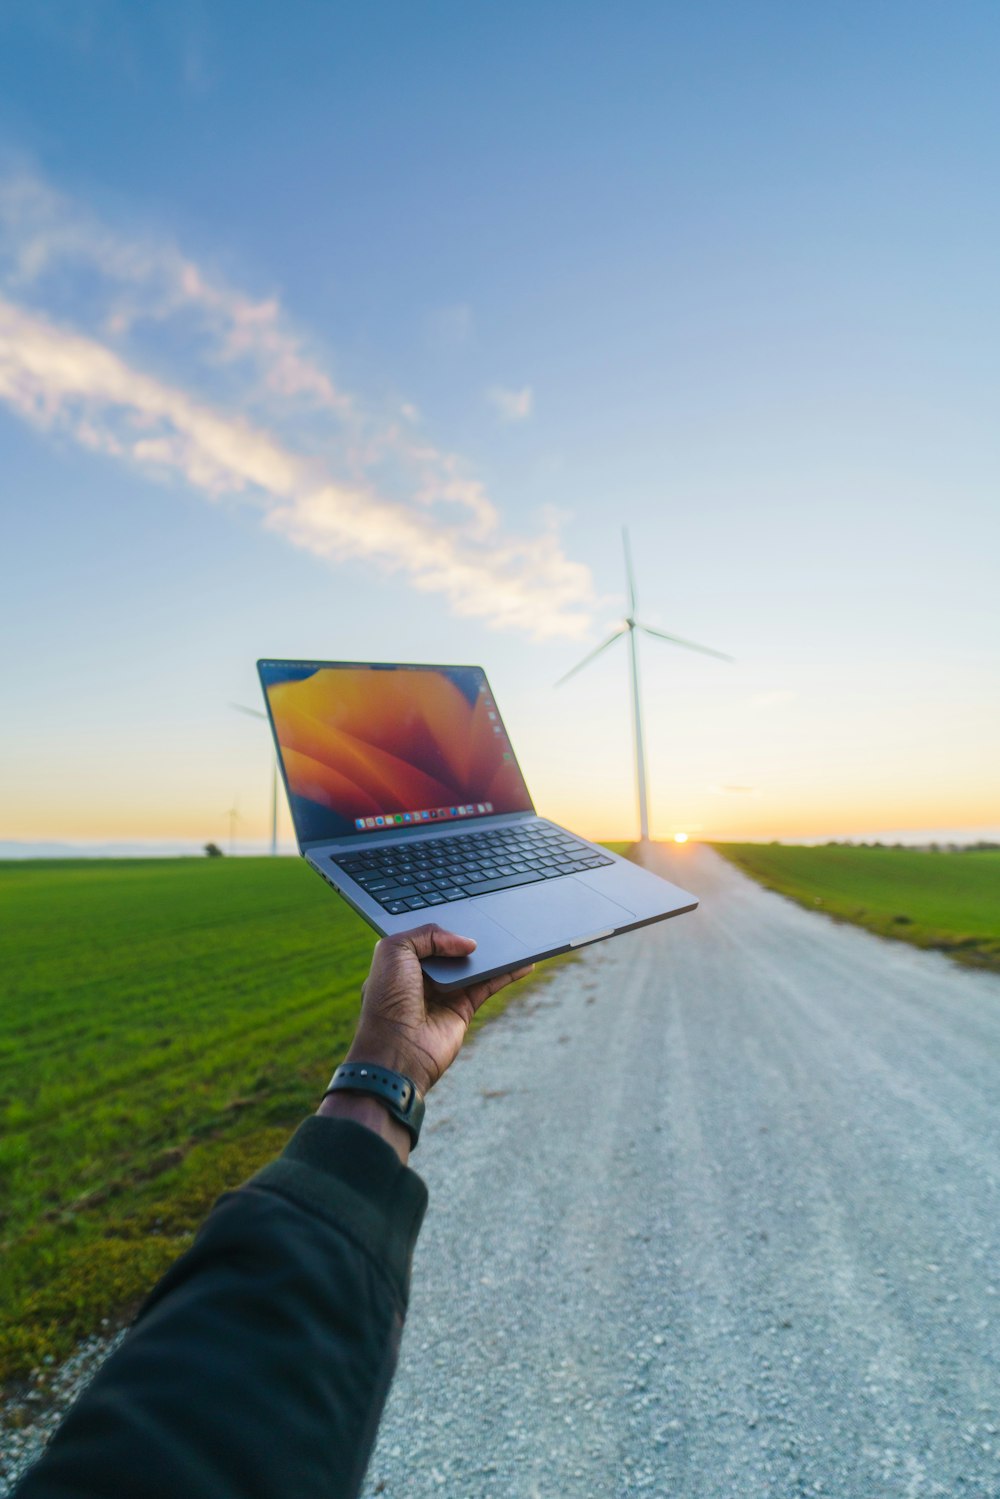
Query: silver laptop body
x=522 y=886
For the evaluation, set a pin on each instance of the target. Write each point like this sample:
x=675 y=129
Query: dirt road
x=716 y=1213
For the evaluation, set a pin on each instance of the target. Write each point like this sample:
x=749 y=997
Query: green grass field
x=165 y=1025
x=949 y=901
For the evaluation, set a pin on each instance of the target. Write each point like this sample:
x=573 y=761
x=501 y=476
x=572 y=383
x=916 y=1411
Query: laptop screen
x=367 y=748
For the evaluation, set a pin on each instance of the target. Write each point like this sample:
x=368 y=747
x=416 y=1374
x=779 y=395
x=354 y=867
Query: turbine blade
x=689 y=645
x=629 y=575
x=250 y=712
x=587 y=659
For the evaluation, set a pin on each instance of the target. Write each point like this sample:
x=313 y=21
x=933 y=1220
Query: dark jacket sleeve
x=260 y=1364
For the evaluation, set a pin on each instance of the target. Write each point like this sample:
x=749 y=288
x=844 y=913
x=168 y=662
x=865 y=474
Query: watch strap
x=397 y=1091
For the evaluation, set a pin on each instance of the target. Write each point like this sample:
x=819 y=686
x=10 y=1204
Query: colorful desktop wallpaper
x=373 y=742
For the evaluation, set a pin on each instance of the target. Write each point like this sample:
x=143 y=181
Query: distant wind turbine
x=256 y=713
x=628 y=627
x=234 y=817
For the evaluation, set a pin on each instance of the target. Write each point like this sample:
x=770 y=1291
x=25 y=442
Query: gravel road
x=716 y=1212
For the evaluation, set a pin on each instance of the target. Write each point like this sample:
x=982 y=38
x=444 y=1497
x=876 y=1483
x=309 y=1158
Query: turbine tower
x=256 y=713
x=628 y=627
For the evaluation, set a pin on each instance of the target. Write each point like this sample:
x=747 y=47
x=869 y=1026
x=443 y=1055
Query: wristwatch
x=398 y=1092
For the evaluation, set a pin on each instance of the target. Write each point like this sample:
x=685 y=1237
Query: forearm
x=259 y=1366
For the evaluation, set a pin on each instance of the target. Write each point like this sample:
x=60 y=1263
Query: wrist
x=366 y=1109
x=385 y=1051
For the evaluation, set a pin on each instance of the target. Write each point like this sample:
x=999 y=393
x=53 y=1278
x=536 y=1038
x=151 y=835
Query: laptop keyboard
x=433 y=871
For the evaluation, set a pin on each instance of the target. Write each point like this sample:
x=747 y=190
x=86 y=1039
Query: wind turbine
x=256 y=713
x=234 y=817
x=628 y=627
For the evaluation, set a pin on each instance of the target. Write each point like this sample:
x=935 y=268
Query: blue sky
x=359 y=331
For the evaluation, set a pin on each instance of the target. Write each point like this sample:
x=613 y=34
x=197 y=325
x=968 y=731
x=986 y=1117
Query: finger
x=503 y=979
x=480 y=993
x=432 y=941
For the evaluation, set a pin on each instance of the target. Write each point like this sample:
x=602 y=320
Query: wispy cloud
x=88 y=321
x=52 y=248
x=512 y=405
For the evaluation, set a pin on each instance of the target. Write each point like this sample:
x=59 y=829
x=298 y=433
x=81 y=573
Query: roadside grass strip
x=943 y=900
x=165 y=1026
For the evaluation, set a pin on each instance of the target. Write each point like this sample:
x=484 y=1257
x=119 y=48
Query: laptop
x=408 y=800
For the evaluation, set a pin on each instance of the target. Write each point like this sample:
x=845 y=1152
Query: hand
x=406 y=1023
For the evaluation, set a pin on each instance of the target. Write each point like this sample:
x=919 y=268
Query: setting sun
x=680 y=837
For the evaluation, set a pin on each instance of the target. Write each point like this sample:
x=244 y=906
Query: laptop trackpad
x=555 y=913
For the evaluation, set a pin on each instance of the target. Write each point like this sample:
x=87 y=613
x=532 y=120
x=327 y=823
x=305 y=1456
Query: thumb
x=432 y=941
